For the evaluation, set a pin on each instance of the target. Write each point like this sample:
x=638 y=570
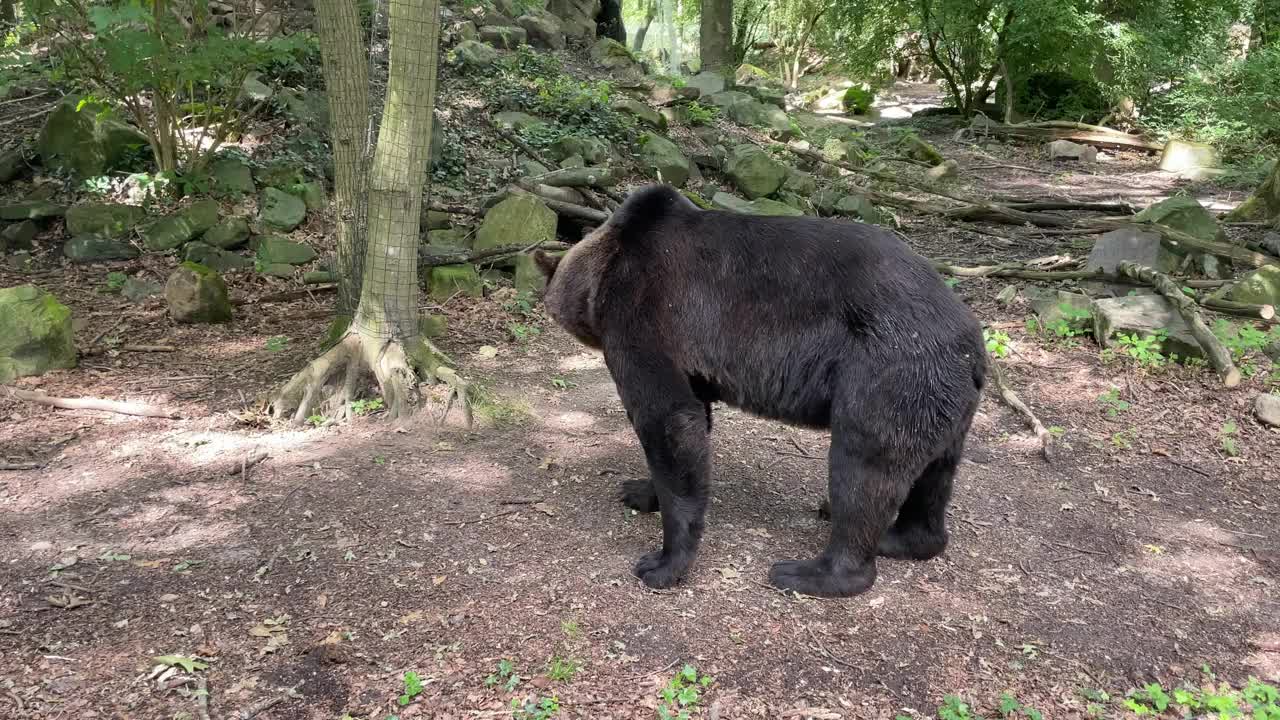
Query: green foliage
x=1055 y=94
x=366 y=406
x=521 y=305
x=700 y=114
x=535 y=709
x=317 y=420
x=522 y=332
x=680 y=697
x=1227 y=438
x=1112 y=404
x=178 y=80
x=276 y=344
x=505 y=676
x=116 y=281
x=997 y=342
x=535 y=83
x=857 y=100
x=562 y=669
x=412 y=688
x=1145 y=351
x=1243 y=340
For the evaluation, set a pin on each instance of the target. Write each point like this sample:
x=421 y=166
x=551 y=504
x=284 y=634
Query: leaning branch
x=460 y=257
x=1214 y=350
x=1012 y=400
x=111 y=406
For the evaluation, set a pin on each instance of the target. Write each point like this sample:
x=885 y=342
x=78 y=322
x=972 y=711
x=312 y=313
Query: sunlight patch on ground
x=572 y=420
x=585 y=360
x=1266 y=660
x=1222 y=582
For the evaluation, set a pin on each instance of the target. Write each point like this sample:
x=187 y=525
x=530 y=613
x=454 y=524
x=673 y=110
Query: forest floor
x=317 y=578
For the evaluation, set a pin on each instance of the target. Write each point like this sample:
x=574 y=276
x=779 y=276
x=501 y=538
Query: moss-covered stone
x=94 y=248
x=591 y=150
x=214 y=258
x=31 y=210
x=1260 y=287
x=474 y=55
x=181 y=227
x=18 y=236
x=281 y=211
x=518 y=220
x=754 y=171
x=104 y=219
x=196 y=294
x=310 y=193
x=1184 y=214
x=762 y=206
x=613 y=55
x=230 y=233
x=231 y=176
x=455 y=238
x=274 y=250
x=35 y=333
x=529 y=279
x=664 y=159
x=445 y=281
x=85 y=141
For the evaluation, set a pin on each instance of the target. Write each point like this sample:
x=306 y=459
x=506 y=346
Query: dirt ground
x=312 y=581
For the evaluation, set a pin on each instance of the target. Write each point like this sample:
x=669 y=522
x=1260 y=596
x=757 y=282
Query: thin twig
x=32 y=116
x=482 y=518
x=19 y=466
x=830 y=655
x=1012 y=400
x=112 y=406
x=1077 y=549
x=651 y=673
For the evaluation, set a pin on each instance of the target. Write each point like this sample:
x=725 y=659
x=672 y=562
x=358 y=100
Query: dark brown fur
x=812 y=322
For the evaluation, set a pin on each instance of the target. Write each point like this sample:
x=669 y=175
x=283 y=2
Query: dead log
x=1239 y=309
x=111 y=406
x=461 y=257
x=578 y=212
x=1218 y=355
x=538 y=157
x=455 y=208
x=1075 y=132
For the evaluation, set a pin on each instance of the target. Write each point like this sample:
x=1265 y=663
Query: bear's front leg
x=678 y=455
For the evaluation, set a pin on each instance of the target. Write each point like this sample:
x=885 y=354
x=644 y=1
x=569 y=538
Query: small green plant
x=1123 y=440
x=1071 y=323
x=1009 y=707
x=700 y=114
x=997 y=342
x=560 y=383
x=1227 y=437
x=1111 y=402
x=276 y=344
x=562 y=669
x=857 y=100
x=365 y=406
x=116 y=281
x=505 y=676
x=317 y=420
x=521 y=305
x=523 y=333
x=1244 y=340
x=412 y=688
x=535 y=708
x=571 y=629
x=679 y=698
x=497 y=409
x=954 y=708
x=1145 y=351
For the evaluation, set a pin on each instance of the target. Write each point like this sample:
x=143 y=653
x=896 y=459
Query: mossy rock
x=18 y=236
x=613 y=55
x=94 y=248
x=1260 y=287
x=275 y=250
x=591 y=150
x=641 y=112
x=1184 y=214
x=664 y=159
x=474 y=55
x=516 y=120
x=215 y=258
x=174 y=230
x=231 y=176
x=84 y=140
x=754 y=171
x=228 y=234
x=445 y=281
x=431 y=325
x=32 y=210
x=104 y=219
x=279 y=174
x=310 y=193
x=529 y=278
x=279 y=210
x=520 y=219
x=455 y=238
x=917 y=149
x=196 y=294
x=36 y=335
x=761 y=206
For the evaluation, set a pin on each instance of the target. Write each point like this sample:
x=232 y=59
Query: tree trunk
x=649 y=15
x=1264 y=204
x=715 y=35
x=383 y=335
x=7 y=15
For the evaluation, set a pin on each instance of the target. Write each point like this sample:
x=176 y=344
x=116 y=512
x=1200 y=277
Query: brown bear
x=817 y=323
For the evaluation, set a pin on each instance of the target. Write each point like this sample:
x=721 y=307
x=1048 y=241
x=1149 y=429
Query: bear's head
x=572 y=283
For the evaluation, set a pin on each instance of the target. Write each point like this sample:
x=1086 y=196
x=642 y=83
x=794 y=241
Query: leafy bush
x=1235 y=107
x=1057 y=95
x=857 y=100
x=172 y=69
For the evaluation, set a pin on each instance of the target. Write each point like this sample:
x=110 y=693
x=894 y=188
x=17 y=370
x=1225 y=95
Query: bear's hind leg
x=920 y=532
x=864 y=494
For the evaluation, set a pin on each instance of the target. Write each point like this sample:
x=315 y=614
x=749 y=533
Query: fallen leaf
x=439 y=580
x=487 y=351
x=544 y=508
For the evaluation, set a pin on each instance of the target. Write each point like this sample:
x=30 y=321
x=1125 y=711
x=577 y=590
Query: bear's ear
x=546 y=263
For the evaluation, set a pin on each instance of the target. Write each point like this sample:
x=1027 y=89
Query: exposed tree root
x=328 y=385
x=1012 y=400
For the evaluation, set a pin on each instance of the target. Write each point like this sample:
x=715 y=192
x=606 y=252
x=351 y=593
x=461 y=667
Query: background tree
x=378 y=237
x=715 y=36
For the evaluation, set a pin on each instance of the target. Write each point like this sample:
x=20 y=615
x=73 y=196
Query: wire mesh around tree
x=381 y=111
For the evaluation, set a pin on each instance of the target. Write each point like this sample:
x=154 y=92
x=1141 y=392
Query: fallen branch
x=474 y=256
x=1239 y=309
x=579 y=212
x=241 y=467
x=1012 y=400
x=111 y=406
x=537 y=157
x=148 y=348
x=1218 y=355
x=455 y=208
x=19 y=466
x=1105 y=138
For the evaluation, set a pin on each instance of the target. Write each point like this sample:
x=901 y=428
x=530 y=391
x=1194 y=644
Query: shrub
x=857 y=100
